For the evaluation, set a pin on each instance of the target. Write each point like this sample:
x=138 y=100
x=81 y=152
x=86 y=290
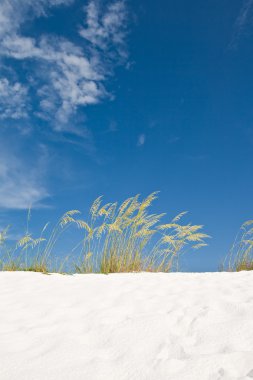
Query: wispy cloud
x=141 y=139
x=243 y=20
x=64 y=76
x=173 y=139
x=107 y=31
x=20 y=183
x=113 y=126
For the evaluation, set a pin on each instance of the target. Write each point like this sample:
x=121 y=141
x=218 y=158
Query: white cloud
x=13 y=100
x=141 y=139
x=20 y=182
x=108 y=28
x=65 y=76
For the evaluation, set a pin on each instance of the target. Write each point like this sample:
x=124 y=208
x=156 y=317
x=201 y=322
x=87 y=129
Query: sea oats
x=114 y=239
x=95 y=206
x=179 y=216
x=24 y=240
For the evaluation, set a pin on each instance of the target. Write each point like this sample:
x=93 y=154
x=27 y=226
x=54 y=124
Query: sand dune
x=141 y=326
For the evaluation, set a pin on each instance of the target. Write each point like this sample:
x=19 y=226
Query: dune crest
x=143 y=326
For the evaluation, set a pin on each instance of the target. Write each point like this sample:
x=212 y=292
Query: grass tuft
x=240 y=256
x=34 y=267
x=128 y=238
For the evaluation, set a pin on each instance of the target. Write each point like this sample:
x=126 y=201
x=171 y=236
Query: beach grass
x=240 y=257
x=13 y=265
x=116 y=238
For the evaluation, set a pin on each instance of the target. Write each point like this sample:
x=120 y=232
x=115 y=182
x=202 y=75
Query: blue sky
x=127 y=97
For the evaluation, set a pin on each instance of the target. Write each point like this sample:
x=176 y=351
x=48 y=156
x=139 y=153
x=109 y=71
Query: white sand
x=126 y=326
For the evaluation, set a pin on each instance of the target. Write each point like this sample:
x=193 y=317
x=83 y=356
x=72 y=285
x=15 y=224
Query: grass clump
x=29 y=253
x=240 y=257
x=13 y=266
x=116 y=237
x=127 y=238
x=19 y=257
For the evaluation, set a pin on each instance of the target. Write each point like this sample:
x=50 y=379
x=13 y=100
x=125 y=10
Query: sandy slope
x=126 y=326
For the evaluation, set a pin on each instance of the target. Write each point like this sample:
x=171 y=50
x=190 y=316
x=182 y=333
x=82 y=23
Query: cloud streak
x=13 y=13
x=141 y=139
x=242 y=21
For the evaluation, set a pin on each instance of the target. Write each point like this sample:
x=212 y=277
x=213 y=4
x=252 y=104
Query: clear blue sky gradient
x=179 y=119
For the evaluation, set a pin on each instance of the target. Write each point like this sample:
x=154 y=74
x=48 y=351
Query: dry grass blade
x=83 y=225
x=3 y=235
x=179 y=216
x=95 y=206
x=24 y=240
